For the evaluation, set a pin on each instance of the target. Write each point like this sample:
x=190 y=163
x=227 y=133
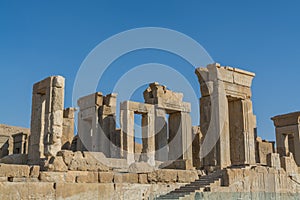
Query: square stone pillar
x=161 y=135
x=148 y=150
x=180 y=136
x=107 y=121
x=68 y=128
x=208 y=151
x=46 y=119
x=127 y=124
x=249 y=131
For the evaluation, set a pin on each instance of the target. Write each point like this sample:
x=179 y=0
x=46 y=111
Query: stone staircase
x=200 y=185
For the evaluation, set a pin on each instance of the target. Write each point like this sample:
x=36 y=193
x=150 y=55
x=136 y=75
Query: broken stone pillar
x=46 y=119
x=263 y=149
x=226 y=116
x=68 y=128
x=148 y=134
x=107 y=121
x=288 y=134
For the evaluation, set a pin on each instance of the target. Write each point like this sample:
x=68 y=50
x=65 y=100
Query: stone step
x=187 y=190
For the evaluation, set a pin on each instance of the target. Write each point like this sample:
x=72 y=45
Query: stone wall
x=28 y=182
x=259 y=179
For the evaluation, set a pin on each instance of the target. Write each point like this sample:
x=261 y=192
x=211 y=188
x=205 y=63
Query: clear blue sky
x=43 y=38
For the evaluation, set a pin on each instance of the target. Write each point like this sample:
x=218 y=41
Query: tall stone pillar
x=127 y=124
x=46 y=119
x=68 y=128
x=148 y=151
x=249 y=131
x=161 y=135
x=219 y=120
x=107 y=121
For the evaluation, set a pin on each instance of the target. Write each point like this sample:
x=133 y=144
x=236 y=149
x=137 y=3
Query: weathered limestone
x=186 y=176
x=96 y=124
x=140 y=167
x=197 y=141
x=263 y=149
x=127 y=111
x=288 y=134
x=106 y=177
x=68 y=128
x=177 y=164
x=46 y=119
x=226 y=116
x=289 y=165
x=258 y=179
x=273 y=160
x=163 y=175
x=17 y=171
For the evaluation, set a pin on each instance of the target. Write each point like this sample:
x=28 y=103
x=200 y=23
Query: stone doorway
x=236 y=133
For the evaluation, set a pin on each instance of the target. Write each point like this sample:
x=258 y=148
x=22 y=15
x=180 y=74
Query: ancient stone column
x=148 y=151
x=107 y=121
x=127 y=128
x=249 y=131
x=46 y=119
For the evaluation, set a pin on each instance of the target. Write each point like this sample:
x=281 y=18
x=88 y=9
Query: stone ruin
x=221 y=157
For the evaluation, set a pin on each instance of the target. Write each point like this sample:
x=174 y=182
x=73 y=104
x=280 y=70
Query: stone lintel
x=52 y=81
x=171 y=108
x=286 y=119
x=290 y=129
x=226 y=74
x=87 y=113
x=92 y=100
x=136 y=107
